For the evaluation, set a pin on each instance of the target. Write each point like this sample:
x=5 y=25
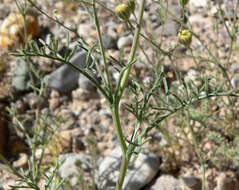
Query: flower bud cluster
x=185 y=37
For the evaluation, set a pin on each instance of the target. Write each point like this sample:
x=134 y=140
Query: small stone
x=166 y=182
x=64 y=139
x=22 y=161
x=235 y=81
x=21 y=80
x=109 y=42
x=84 y=29
x=33 y=101
x=235 y=68
x=112 y=29
x=54 y=103
x=83 y=94
x=124 y=41
x=194 y=76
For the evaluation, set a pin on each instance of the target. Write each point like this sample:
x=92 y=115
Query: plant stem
x=124 y=165
x=132 y=54
x=115 y=106
x=203 y=174
x=102 y=51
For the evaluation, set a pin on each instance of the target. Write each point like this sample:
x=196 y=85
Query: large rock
x=138 y=175
x=65 y=78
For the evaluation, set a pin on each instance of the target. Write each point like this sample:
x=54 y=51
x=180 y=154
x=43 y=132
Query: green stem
x=132 y=54
x=115 y=106
x=116 y=120
x=102 y=51
x=203 y=175
x=124 y=163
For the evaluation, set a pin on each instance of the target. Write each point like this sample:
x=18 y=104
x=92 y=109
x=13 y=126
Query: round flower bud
x=185 y=37
x=183 y=3
x=123 y=11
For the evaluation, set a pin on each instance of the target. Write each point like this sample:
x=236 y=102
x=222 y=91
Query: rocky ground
x=78 y=114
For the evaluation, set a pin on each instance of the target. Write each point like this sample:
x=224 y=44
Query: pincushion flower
x=185 y=37
x=123 y=11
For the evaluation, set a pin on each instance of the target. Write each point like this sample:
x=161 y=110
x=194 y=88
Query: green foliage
x=191 y=102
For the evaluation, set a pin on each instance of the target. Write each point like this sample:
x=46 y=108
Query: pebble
x=194 y=76
x=235 y=68
x=112 y=29
x=166 y=182
x=235 y=81
x=22 y=161
x=70 y=169
x=64 y=139
x=21 y=80
x=84 y=94
x=84 y=29
x=54 y=103
x=34 y=101
x=124 y=41
x=147 y=165
x=109 y=42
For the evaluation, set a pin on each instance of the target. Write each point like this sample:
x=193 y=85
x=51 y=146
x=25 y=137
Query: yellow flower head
x=185 y=37
x=123 y=11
